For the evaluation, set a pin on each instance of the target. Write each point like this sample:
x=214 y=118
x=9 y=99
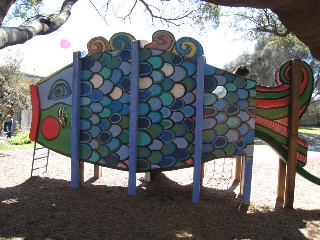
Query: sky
x=44 y=55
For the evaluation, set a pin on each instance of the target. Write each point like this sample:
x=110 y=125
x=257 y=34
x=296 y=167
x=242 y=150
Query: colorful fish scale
x=166 y=111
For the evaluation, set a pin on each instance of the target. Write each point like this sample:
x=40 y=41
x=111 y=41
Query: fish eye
x=60 y=89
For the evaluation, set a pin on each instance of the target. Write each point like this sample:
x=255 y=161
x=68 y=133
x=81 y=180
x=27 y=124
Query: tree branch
x=131 y=10
x=39 y=26
x=168 y=20
x=103 y=17
x=273 y=30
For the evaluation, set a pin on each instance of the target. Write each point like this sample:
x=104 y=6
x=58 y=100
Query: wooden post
x=242 y=177
x=81 y=173
x=281 y=180
x=97 y=171
x=148 y=177
x=293 y=132
x=237 y=176
x=202 y=173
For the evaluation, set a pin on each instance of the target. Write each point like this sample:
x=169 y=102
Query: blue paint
x=198 y=130
x=75 y=130
x=133 y=135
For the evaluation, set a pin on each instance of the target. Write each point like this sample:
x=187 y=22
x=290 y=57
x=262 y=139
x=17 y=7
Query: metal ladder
x=38 y=154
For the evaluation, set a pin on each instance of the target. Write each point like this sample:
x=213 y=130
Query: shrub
x=20 y=138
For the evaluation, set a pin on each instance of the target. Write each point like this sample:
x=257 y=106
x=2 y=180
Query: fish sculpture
x=235 y=110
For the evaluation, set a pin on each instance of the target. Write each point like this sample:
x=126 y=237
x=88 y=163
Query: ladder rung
x=41 y=147
x=40 y=158
x=39 y=167
x=44 y=156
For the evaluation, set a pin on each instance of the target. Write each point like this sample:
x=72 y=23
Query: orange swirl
x=98 y=44
x=162 y=40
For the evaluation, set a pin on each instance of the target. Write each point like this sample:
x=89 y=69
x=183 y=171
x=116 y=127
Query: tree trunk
x=303 y=20
x=5 y=5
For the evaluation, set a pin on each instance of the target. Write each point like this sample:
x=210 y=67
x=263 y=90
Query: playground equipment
x=147 y=107
x=40 y=158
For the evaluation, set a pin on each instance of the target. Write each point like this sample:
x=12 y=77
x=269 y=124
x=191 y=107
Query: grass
x=6 y=146
x=310 y=130
x=21 y=140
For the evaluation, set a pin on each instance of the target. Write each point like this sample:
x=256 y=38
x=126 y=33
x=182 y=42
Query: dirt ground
x=45 y=207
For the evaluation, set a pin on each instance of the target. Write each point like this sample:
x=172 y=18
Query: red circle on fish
x=50 y=128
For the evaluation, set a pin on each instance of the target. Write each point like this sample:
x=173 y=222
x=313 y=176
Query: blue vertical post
x=198 y=131
x=133 y=130
x=75 y=120
x=247 y=179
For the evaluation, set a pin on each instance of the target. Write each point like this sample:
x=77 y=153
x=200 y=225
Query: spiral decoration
x=162 y=40
x=283 y=75
x=98 y=44
x=121 y=40
x=188 y=48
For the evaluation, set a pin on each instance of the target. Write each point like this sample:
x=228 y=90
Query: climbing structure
x=145 y=107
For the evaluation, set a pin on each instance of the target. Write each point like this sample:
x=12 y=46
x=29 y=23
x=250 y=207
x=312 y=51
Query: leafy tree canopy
x=270 y=53
x=14 y=91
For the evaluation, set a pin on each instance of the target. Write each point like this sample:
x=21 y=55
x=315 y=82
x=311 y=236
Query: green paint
x=124 y=137
x=209 y=99
x=156 y=62
x=144 y=139
x=166 y=98
x=106 y=72
x=85 y=112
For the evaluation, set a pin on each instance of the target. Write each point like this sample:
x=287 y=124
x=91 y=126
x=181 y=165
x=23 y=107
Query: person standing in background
x=8 y=126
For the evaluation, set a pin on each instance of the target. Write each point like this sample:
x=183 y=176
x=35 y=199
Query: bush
x=20 y=139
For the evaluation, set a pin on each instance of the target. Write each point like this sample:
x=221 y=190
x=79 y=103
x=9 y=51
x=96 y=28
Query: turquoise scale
x=166 y=121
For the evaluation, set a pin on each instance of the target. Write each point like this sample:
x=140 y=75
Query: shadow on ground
x=44 y=208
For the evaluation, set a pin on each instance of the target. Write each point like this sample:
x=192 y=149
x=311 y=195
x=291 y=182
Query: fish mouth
x=35 y=112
